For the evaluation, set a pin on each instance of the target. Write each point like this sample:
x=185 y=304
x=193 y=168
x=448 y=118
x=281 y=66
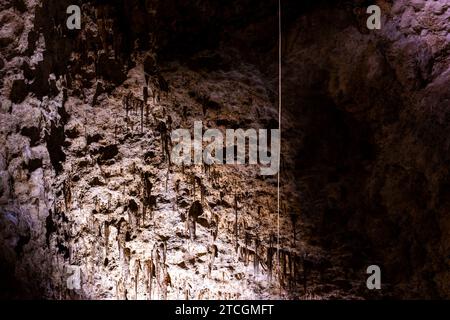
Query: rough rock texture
x=84 y=181
x=371 y=158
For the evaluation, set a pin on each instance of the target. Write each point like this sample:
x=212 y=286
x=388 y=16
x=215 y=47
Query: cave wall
x=364 y=143
x=372 y=149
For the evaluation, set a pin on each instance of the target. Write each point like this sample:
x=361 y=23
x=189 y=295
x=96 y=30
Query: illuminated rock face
x=90 y=208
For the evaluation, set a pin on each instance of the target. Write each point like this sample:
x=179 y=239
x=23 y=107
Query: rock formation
x=87 y=181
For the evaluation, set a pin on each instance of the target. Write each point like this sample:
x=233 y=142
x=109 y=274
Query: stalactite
x=145 y=97
x=214 y=227
x=187 y=292
x=96 y=230
x=64 y=96
x=149 y=271
x=207 y=170
x=126 y=104
x=137 y=267
x=119 y=289
x=217 y=176
x=98 y=91
x=305 y=271
x=167 y=177
x=294 y=218
x=213 y=253
x=121 y=236
x=156 y=261
x=247 y=239
x=133 y=168
x=195 y=211
x=126 y=263
x=202 y=192
x=96 y=204
x=193 y=185
x=283 y=265
x=269 y=262
x=198 y=182
x=85 y=133
x=163 y=251
x=67 y=191
x=133 y=213
x=295 y=267
x=169 y=123
x=166 y=282
x=289 y=267
x=165 y=140
x=106 y=234
x=177 y=186
x=236 y=222
x=141 y=105
x=148 y=200
x=256 y=259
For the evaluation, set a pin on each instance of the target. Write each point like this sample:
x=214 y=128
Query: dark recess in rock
x=27 y=71
x=33 y=164
x=19 y=91
x=19 y=5
x=55 y=140
x=93 y=138
x=107 y=152
x=33 y=133
x=111 y=70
